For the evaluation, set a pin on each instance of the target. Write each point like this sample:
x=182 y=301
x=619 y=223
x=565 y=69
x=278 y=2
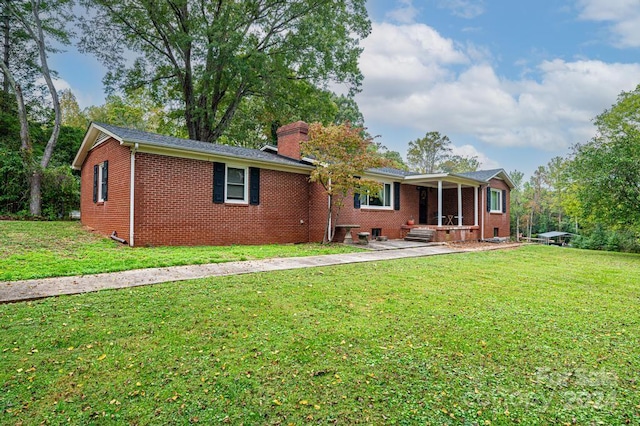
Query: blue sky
x=512 y=82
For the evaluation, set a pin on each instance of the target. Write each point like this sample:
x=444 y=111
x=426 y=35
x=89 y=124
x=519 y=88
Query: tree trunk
x=35 y=198
x=35 y=203
x=327 y=233
x=5 y=56
x=25 y=140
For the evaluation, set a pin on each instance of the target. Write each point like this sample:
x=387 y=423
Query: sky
x=514 y=83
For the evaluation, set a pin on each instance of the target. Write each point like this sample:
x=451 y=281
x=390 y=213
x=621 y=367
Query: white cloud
x=405 y=13
x=470 y=151
x=623 y=16
x=415 y=78
x=84 y=99
x=467 y=9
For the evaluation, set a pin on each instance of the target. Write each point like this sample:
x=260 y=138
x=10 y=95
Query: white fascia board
x=88 y=143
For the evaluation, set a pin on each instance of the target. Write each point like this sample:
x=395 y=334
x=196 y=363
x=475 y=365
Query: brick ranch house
x=159 y=190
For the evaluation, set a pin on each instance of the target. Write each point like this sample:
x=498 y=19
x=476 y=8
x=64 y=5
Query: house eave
x=195 y=154
x=145 y=146
x=445 y=177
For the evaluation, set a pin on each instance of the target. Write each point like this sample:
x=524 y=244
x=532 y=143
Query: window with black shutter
x=218 y=182
x=504 y=201
x=254 y=186
x=95 y=183
x=104 y=184
x=396 y=195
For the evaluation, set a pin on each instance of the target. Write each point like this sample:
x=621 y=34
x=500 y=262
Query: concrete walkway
x=14 y=291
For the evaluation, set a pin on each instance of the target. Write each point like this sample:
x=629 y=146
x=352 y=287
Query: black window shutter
x=396 y=195
x=488 y=199
x=95 y=183
x=356 y=200
x=504 y=201
x=105 y=180
x=218 y=182
x=254 y=186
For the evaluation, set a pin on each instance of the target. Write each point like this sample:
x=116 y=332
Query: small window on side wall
x=100 y=182
x=496 y=201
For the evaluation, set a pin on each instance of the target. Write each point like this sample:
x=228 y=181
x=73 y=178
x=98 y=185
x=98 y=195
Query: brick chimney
x=289 y=138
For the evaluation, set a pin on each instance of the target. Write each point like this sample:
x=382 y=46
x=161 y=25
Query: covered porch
x=449 y=205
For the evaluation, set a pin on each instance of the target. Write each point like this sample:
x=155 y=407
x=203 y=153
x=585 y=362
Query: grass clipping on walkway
x=537 y=335
x=51 y=249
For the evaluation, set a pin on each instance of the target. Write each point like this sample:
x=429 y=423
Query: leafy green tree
x=557 y=178
x=395 y=159
x=71 y=114
x=517 y=209
x=425 y=154
x=37 y=20
x=459 y=164
x=535 y=194
x=342 y=157
x=210 y=56
x=607 y=168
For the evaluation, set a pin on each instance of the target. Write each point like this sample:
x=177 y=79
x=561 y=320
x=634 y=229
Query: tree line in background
x=593 y=192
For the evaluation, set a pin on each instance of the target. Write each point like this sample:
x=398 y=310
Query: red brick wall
x=496 y=220
x=113 y=214
x=289 y=138
x=318 y=210
x=174 y=206
x=390 y=221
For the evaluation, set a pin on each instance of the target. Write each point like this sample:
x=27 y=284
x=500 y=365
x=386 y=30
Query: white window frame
x=245 y=192
x=499 y=198
x=364 y=198
x=100 y=173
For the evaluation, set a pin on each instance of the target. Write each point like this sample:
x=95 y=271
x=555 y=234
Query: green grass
x=50 y=249
x=536 y=335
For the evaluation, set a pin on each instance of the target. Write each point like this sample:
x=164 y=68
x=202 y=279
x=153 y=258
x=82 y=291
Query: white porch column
x=475 y=206
x=439 y=203
x=459 y=204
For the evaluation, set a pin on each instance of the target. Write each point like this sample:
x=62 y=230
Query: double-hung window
x=496 y=201
x=100 y=182
x=382 y=199
x=236 y=185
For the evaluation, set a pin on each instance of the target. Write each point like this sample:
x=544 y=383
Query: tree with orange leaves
x=342 y=156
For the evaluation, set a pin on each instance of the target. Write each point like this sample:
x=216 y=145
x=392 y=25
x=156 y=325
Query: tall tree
x=535 y=193
x=517 y=201
x=211 y=55
x=558 y=182
x=425 y=154
x=607 y=168
x=70 y=112
x=342 y=158
x=38 y=19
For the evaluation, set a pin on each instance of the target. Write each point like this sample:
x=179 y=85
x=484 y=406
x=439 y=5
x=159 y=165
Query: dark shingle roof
x=392 y=172
x=483 y=175
x=486 y=175
x=133 y=135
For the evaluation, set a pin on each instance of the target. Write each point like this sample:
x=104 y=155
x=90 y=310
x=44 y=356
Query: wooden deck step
x=420 y=234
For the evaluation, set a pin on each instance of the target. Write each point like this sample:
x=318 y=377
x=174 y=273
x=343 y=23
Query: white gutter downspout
x=132 y=197
x=483 y=209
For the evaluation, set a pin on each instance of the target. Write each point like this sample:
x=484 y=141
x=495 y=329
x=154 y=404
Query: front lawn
x=51 y=249
x=535 y=335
